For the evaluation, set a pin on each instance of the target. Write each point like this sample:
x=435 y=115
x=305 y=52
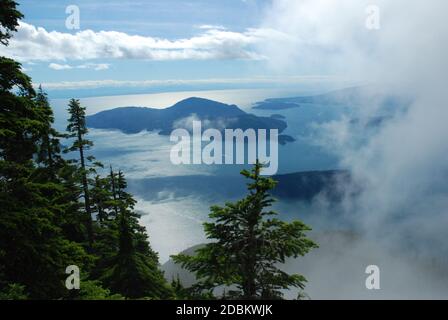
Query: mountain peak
x=198 y=102
x=205 y=107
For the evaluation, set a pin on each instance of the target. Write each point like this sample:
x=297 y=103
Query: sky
x=125 y=47
x=157 y=44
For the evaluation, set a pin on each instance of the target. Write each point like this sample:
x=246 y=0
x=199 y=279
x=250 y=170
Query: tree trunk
x=114 y=192
x=85 y=186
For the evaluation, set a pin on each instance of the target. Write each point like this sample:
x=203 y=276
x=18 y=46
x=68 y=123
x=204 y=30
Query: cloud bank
x=403 y=165
x=32 y=43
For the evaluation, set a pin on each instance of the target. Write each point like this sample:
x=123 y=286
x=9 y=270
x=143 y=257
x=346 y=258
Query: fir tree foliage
x=248 y=245
x=9 y=20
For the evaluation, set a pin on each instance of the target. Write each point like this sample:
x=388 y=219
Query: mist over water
x=402 y=166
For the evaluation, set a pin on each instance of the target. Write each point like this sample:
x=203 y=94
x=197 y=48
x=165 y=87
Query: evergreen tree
x=122 y=200
x=49 y=149
x=9 y=20
x=248 y=246
x=77 y=129
x=72 y=219
x=101 y=199
x=33 y=250
x=133 y=274
x=134 y=271
x=126 y=205
x=92 y=290
x=114 y=190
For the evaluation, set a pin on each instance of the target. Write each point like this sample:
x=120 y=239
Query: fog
x=403 y=165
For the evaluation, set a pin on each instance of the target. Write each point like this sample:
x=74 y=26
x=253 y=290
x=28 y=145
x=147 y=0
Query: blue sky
x=126 y=47
x=159 y=18
x=168 y=19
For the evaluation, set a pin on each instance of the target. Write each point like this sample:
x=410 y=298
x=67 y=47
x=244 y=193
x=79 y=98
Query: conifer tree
x=134 y=271
x=72 y=220
x=77 y=129
x=248 y=246
x=9 y=18
x=114 y=190
x=101 y=198
x=49 y=149
x=133 y=274
x=33 y=250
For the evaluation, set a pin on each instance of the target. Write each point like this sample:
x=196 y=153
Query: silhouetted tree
x=249 y=244
x=77 y=129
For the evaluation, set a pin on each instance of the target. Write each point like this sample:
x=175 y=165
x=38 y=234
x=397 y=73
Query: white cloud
x=211 y=26
x=56 y=66
x=94 y=66
x=32 y=43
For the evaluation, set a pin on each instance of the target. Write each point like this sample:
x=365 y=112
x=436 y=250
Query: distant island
x=344 y=96
x=275 y=105
x=297 y=186
x=215 y=114
x=348 y=96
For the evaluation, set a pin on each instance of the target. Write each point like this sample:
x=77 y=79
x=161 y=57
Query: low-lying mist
x=402 y=166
